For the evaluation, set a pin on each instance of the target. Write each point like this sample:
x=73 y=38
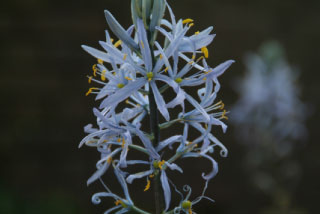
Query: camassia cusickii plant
x=134 y=79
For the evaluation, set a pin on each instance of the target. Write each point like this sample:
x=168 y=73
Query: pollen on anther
x=186 y=21
x=147 y=186
x=205 y=51
x=118 y=43
x=103 y=75
x=190 y=25
x=89 y=79
x=128 y=78
x=100 y=61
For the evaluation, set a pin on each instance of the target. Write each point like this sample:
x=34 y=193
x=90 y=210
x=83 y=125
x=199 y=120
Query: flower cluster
x=128 y=76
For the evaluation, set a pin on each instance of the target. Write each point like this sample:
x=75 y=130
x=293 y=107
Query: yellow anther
x=138 y=105
x=94 y=68
x=222 y=106
x=204 y=79
x=112 y=40
x=193 y=57
x=142 y=44
x=90 y=91
x=125 y=56
x=158 y=164
x=123 y=143
x=166 y=69
x=161 y=163
x=161 y=56
x=205 y=51
x=103 y=75
x=206 y=72
x=151 y=176
x=206 y=126
x=128 y=78
x=109 y=160
x=224 y=115
x=178 y=80
x=190 y=211
x=119 y=140
x=196 y=33
x=118 y=202
x=147 y=186
x=100 y=61
x=118 y=43
x=186 y=21
x=89 y=79
x=190 y=25
x=191 y=62
x=120 y=85
x=150 y=76
x=127 y=101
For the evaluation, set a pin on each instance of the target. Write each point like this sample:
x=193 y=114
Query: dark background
x=44 y=107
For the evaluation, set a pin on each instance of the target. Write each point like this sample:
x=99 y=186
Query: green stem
x=138 y=210
x=154 y=124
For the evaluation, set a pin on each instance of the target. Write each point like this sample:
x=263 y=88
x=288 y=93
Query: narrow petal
x=118 y=30
x=160 y=101
x=123 y=184
x=168 y=141
x=96 y=53
x=174 y=166
x=220 y=69
x=132 y=177
x=157 y=14
x=96 y=198
x=144 y=45
x=98 y=173
x=112 y=209
x=166 y=189
x=147 y=144
x=123 y=93
x=198 y=107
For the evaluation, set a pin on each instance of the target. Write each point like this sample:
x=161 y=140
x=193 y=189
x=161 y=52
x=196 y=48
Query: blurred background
x=44 y=108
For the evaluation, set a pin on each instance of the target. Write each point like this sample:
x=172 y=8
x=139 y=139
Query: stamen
x=118 y=43
x=109 y=160
x=89 y=79
x=123 y=142
x=191 y=62
x=112 y=40
x=128 y=78
x=125 y=56
x=223 y=116
x=193 y=57
x=142 y=44
x=94 y=68
x=161 y=56
x=151 y=176
x=196 y=33
x=103 y=75
x=186 y=21
x=90 y=90
x=118 y=202
x=100 y=61
x=147 y=186
x=205 y=51
x=190 y=25
x=166 y=70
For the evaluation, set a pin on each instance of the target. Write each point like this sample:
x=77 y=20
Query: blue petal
x=132 y=177
x=96 y=197
x=166 y=189
x=123 y=93
x=144 y=45
x=123 y=184
x=160 y=101
x=118 y=30
x=168 y=141
x=198 y=107
x=147 y=144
